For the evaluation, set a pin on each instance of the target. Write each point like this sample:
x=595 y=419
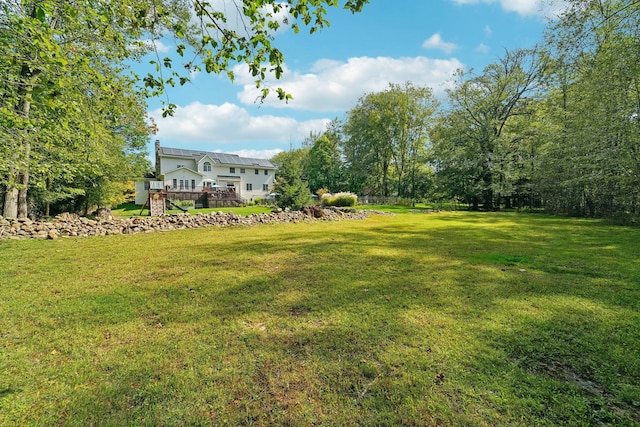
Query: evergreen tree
x=292 y=190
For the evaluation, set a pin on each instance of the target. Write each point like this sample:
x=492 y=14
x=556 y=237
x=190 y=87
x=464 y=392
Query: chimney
x=157 y=159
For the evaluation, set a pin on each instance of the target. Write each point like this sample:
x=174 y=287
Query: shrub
x=339 y=199
x=404 y=201
x=321 y=192
x=187 y=204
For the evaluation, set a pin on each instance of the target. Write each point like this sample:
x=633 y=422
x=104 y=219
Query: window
x=257 y=171
x=175 y=184
x=181 y=184
x=206 y=167
x=249 y=187
x=266 y=172
x=232 y=170
x=242 y=170
x=146 y=185
x=193 y=184
x=265 y=187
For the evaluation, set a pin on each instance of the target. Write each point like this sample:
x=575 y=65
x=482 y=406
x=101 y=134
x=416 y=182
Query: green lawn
x=453 y=318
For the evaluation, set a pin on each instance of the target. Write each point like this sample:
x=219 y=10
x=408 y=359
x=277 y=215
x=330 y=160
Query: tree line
x=73 y=130
x=554 y=127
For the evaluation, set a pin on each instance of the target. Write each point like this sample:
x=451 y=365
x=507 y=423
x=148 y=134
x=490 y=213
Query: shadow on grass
x=572 y=367
x=391 y=323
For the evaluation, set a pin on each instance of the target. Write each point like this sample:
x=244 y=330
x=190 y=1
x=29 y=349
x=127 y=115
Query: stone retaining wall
x=71 y=225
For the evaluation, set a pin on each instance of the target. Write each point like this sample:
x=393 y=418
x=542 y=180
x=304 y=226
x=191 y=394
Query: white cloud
x=436 y=42
x=482 y=48
x=205 y=124
x=156 y=45
x=521 y=7
x=255 y=154
x=235 y=18
x=335 y=86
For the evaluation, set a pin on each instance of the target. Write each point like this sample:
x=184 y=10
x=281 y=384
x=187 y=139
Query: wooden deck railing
x=208 y=199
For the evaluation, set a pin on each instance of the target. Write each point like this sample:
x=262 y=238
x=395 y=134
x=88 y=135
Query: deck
x=208 y=199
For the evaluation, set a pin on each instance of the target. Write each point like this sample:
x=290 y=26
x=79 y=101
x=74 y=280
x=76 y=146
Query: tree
x=325 y=164
x=414 y=108
x=61 y=78
x=55 y=47
x=90 y=162
x=487 y=121
x=291 y=188
x=385 y=138
x=457 y=161
x=593 y=160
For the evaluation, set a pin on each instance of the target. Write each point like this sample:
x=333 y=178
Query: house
x=206 y=177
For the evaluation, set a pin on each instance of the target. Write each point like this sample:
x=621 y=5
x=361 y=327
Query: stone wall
x=71 y=225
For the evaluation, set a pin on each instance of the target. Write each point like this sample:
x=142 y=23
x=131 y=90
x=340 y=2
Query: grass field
x=421 y=319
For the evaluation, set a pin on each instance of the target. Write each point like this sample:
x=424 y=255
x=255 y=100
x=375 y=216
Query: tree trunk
x=385 y=175
x=22 y=193
x=47 y=204
x=10 y=208
x=487 y=192
x=15 y=203
x=475 y=204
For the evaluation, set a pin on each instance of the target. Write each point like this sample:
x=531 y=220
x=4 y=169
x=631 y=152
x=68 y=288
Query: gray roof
x=224 y=158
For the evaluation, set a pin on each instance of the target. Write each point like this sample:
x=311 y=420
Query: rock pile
x=71 y=225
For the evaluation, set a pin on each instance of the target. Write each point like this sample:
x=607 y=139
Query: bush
x=404 y=201
x=321 y=192
x=339 y=199
x=187 y=204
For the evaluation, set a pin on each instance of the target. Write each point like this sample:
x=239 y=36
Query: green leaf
x=40 y=14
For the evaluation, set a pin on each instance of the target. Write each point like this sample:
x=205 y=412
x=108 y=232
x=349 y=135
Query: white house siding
x=171 y=163
x=257 y=182
x=142 y=191
x=188 y=165
x=191 y=181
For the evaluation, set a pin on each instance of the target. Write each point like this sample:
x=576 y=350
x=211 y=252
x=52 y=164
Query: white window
x=232 y=170
x=206 y=167
x=174 y=183
x=266 y=172
x=242 y=170
x=265 y=187
x=249 y=187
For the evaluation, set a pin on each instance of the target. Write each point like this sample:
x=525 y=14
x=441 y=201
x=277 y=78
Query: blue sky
x=422 y=41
